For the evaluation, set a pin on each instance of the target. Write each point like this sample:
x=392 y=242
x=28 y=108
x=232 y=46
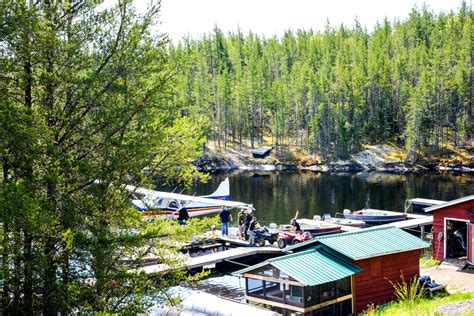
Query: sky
x=272 y=17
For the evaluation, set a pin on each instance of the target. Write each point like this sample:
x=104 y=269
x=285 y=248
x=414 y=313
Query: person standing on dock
x=248 y=219
x=225 y=218
x=241 y=223
x=252 y=227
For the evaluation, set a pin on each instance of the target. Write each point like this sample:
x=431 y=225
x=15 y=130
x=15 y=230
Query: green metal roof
x=367 y=243
x=310 y=267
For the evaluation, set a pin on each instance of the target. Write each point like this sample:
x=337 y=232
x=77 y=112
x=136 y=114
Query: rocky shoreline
x=376 y=159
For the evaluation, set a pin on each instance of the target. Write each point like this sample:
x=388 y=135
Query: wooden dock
x=345 y=228
x=234 y=241
x=413 y=221
x=231 y=254
x=208 y=261
x=414 y=216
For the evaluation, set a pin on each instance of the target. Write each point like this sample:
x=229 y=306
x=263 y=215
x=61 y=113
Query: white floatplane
x=166 y=204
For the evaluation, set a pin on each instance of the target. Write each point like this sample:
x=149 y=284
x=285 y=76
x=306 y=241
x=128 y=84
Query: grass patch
x=428 y=262
x=425 y=306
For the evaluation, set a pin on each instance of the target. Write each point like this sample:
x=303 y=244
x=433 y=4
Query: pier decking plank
x=414 y=220
x=411 y=223
x=221 y=256
x=213 y=258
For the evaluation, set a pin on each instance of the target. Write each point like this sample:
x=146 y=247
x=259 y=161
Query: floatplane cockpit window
x=173 y=204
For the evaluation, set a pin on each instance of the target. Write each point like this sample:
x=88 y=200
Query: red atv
x=287 y=238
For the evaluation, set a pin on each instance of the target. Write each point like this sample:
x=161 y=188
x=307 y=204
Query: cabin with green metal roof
x=335 y=274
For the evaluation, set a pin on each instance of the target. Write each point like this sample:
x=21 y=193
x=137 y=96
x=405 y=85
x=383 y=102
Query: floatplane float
x=168 y=204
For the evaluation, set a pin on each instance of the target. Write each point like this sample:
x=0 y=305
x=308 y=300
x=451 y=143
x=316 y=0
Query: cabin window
x=328 y=291
x=343 y=287
x=338 y=309
x=312 y=296
x=293 y=295
x=328 y=310
x=299 y=296
x=344 y=307
x=274 y=291
x=255 y=287
x=270 y=271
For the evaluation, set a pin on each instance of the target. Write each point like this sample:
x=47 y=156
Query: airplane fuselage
x=157 y=205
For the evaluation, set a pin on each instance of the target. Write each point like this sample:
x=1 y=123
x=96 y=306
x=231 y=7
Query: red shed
x=338 y=275
x=453 y=229
x=383 y=254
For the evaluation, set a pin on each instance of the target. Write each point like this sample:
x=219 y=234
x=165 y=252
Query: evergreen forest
x=328 y=93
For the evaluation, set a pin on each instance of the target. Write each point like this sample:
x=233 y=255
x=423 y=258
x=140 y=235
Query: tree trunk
x=5 y=265
x=28 y=272
x=49 y=278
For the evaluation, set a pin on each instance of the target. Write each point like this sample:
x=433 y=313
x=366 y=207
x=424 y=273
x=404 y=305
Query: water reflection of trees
x=278 y=195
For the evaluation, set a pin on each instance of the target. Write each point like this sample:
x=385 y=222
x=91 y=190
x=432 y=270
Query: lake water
x=277 y=195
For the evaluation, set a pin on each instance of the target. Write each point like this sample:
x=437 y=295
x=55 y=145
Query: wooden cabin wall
x=372 y=285
x=458 y=211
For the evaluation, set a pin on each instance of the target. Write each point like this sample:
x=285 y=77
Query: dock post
x=422 y=229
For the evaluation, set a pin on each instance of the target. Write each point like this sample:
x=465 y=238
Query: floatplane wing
x=168 y=204
x=187 y=198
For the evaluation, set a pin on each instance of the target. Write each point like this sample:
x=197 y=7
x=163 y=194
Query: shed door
x=470 y=243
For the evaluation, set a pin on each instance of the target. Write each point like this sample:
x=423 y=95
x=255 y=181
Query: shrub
x=404 y=292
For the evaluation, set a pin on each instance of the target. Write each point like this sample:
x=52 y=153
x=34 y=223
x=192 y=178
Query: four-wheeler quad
x=263 y=234
x=287 y=238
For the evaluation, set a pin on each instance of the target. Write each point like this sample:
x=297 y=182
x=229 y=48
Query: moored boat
x=374 y=216
x=345 y=221
x=315 y=228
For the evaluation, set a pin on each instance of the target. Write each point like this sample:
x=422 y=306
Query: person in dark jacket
x=295 y=226
x=248 y=219
x=252 y=227
x=225 y=218
x=183 y=216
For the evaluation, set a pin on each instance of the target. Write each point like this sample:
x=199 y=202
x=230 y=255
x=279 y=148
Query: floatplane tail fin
x=223 y=191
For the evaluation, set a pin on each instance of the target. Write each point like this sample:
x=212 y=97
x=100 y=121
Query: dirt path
x=462 y=281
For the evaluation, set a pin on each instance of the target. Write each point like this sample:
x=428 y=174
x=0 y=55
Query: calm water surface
x=278 y=195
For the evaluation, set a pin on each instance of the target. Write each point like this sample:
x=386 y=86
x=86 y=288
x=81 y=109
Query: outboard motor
x=460 y=239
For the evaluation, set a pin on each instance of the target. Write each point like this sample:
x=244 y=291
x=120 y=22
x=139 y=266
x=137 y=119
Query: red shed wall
x=372 y=284
x=458 y=211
